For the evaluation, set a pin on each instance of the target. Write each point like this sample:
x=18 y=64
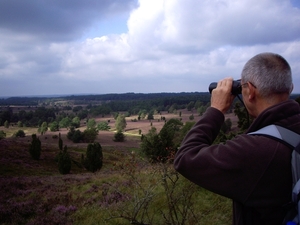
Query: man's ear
x=251 y=92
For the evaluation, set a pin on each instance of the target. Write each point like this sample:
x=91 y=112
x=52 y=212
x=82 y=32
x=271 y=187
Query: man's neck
x=264 y=103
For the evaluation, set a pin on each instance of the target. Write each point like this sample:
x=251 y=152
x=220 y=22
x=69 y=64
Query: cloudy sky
x=53 y=47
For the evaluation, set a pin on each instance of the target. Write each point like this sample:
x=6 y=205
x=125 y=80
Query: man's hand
x=221 y=97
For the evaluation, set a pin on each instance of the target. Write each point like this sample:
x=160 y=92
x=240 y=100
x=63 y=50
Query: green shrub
x=119 y=137
x=19 y=133
x=2 y=134
x=103 y=125
x=94 y=157
x=90 y=134
x=35 y=147
x=75 y=135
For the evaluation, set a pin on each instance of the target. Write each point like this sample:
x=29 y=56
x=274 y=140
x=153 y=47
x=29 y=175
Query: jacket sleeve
x=218 y=168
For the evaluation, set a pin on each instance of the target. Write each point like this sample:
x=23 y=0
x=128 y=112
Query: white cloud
x=170 y=45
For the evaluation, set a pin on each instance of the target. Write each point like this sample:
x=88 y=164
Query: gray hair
x=270 y=73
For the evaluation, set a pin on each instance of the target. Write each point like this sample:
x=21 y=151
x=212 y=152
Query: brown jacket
x=253 y=170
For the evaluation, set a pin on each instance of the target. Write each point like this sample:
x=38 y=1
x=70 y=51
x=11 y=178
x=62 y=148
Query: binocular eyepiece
x=236 y=87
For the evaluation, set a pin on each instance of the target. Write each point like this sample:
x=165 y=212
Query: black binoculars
x=236 y=87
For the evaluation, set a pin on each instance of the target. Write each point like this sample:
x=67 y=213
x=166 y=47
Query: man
x=253 y=170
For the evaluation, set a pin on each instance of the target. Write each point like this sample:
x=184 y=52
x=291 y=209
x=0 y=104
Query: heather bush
x=34 y=201
x=35 y=147
x=94 y=157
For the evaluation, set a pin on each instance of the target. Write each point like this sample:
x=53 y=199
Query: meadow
x=127 y=189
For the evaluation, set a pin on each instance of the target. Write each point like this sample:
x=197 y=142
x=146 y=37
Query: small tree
x=103 y=126
x=200 y=110
x=91 y=123
x=76 y=122
x=158 y=146
x=94 y=157
x=35 y=147
x=150 y=116
x=65 y=122
x=43 y=128
x=20 y=124
x=64 y=161
x=54 y=126
x=6 y=124
x=190 y=106
x=183 y=131
x=120 y=123
x=151 y=145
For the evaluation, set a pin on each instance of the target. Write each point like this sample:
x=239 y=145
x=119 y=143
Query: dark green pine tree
x=64 y=161
x=60 y=143
x=94 y=157
x=35 y=147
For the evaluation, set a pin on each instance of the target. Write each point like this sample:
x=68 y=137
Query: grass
x=127 y=190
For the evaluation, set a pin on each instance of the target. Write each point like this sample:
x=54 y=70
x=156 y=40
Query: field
x=127 y=190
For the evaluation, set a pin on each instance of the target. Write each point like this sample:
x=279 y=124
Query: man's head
x=266 y=80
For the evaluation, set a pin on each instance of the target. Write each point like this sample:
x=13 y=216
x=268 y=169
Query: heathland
x=128 y=189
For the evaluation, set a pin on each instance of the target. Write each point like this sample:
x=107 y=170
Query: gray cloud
x=57 y=20
x=169 y=45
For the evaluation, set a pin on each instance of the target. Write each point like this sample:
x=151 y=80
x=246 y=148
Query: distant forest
x=152 y=99
x=163 y=99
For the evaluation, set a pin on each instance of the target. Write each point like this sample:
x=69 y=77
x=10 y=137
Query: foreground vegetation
x=127 y=190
